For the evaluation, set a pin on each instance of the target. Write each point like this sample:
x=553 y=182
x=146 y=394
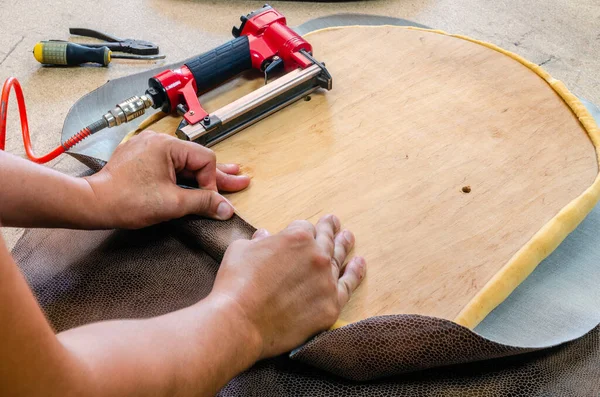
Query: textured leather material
x=80 y=277
x=92 y=163
x=572 y=369
x=389 y=345
x=85 y=276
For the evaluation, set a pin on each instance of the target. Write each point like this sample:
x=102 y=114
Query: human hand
x=137 y=187
x=291 y=285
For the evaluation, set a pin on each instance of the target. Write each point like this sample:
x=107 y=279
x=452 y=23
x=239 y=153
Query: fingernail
x=260 y=233
x=336 y=221
x=362 y=268
x=224 y=211
x=348 y=236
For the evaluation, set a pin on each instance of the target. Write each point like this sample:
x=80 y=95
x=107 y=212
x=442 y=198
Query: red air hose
x=12 y=82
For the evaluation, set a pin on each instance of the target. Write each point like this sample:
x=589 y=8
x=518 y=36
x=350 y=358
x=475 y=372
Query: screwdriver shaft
x=134 y=56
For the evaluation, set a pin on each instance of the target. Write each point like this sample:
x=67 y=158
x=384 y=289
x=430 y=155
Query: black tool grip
x=79 y=54
x=216 y=66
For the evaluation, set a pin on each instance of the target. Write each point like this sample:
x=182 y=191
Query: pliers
x=130 y=46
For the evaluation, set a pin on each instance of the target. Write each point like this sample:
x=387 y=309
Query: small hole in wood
x=466 y=189
x=307 y=98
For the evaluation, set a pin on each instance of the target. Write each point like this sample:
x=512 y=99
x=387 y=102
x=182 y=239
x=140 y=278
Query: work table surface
x=561 y=35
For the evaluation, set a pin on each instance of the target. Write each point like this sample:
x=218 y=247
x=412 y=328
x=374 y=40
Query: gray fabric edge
x=349 y=19
x=560 y=300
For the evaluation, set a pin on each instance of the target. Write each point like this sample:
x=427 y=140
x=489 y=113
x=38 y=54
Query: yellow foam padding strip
x=520 y=266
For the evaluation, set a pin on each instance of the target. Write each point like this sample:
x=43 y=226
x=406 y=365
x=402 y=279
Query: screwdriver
x=55 y=52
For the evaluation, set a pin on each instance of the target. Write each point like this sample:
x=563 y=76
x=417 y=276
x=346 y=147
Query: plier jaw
x=116 y=44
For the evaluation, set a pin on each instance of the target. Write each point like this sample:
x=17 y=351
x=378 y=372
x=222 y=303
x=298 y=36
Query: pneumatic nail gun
x=263 y=42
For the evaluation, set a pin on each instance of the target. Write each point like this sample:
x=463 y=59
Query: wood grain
x=413 y=118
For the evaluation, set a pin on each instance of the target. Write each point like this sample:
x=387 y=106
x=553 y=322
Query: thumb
x=206 y=203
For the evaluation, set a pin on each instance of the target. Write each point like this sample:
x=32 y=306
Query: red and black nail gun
x=263 y=42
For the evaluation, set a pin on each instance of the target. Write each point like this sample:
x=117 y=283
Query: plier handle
x=130 y=46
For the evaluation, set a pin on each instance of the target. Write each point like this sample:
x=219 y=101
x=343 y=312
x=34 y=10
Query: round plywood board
x=443 y=156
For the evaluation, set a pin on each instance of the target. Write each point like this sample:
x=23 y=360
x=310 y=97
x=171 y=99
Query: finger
x=201 y=161
x=302 y=225
x=327 y=227
x=229 y=168
x=353 y=275
x=259 y=234
x=344 y=242
x=204 y=202
x=231 y=183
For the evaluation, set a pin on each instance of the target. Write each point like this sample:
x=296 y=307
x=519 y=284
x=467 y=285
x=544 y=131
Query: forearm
x=136 y=188
x=37 y=196
x=191 y=352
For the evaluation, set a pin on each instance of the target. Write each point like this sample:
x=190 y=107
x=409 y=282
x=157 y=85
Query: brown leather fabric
x=572 y=369
x=80 y=277
x=84 y=276
x=390 y=345
x=93 y=164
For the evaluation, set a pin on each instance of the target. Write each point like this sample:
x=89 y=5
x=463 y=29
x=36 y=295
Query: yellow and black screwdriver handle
x=55 y=52
x=58 y=52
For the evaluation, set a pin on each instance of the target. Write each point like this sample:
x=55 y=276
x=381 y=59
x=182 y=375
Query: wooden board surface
x=413 y=118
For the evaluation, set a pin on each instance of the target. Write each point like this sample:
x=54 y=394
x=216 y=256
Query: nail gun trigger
x=273 y=67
